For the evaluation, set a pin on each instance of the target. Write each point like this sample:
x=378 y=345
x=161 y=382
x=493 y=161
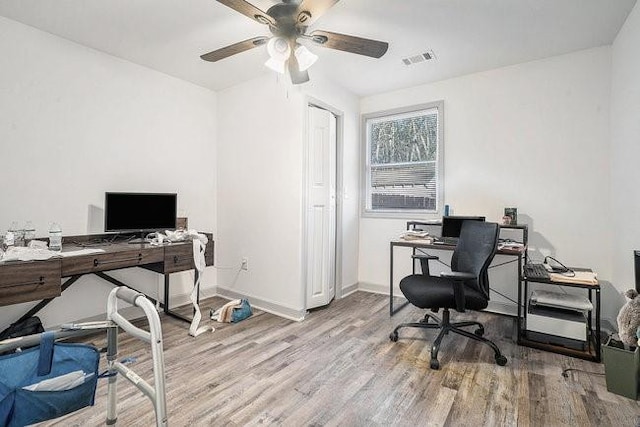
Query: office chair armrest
x=457 y=275
x=458 y=286
x=427 y=257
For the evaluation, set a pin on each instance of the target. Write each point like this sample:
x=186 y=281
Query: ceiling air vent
x=421 y=57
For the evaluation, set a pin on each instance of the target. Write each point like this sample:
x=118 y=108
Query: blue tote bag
x=20 y=407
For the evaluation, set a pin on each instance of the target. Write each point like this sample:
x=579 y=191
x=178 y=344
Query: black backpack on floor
x=29 y=326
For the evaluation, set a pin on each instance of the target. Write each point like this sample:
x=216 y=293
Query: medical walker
x=114 y=320
x=153 y=337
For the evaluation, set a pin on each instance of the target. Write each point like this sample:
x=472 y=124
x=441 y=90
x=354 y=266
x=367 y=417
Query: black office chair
x=465 y=287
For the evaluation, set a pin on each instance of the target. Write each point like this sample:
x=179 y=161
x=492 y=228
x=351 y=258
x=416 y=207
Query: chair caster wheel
x=479 y=332
x=501 y=360
x=434 y=364
x=393 y=336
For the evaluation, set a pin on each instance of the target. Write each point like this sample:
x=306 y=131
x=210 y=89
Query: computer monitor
x=451 y=225
x=140 y=211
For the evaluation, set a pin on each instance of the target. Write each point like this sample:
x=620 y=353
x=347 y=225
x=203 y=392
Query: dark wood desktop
x=42 y=280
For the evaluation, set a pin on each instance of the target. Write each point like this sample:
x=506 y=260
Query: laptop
x=451 y=226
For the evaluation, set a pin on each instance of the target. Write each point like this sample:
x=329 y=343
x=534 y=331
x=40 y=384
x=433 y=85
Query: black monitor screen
x=451 y=225
x=139 y=211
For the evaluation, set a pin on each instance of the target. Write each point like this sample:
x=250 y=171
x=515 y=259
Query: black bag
x=29 y=326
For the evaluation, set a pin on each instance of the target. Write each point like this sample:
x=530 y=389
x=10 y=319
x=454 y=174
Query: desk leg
x=391 y=279
x=391 y=309
x=519 y=319
x=166 y=294
x=598 y=334
x=525 y=303
x=167 y=309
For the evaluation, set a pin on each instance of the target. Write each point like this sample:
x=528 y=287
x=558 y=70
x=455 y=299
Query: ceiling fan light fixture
x=279 y=49
x=288 y=20
x=276 y=65
x=305 y=57
x=279 y=52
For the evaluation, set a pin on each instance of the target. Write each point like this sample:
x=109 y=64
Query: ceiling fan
x=288 y=21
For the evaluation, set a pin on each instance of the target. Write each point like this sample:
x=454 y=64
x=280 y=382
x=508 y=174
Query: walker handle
x=128 y=295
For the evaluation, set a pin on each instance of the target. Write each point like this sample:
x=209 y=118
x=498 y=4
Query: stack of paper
x=580 y=277
x=60 y=383
x=414 y=235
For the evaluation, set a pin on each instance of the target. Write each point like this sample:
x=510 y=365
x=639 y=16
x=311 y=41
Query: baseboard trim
x=348 y=290
x=374 y=288
x=264 y=305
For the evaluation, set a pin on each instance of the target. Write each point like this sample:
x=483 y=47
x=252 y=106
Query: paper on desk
x=81 y=252
x=19 y=253
x=60 y=383
x=513 y=246
x=580 y=277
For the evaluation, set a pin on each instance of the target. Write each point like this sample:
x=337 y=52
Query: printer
x=559 y=318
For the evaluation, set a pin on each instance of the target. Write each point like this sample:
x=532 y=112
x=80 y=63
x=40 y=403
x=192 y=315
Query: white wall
x=625 y=149
x=74 y=123
x=534 y=136
x=260 y=189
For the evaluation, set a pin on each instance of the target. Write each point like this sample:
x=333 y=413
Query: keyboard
x=536 y=271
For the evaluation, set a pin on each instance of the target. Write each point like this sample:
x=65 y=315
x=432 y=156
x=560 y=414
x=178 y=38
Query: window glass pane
x=402 y=154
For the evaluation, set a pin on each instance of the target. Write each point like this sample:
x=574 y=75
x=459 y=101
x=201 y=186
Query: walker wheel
x=501 y=360
x=393 y=336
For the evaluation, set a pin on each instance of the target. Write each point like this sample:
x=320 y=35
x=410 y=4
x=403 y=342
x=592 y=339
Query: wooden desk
x=42 y=280
x=426 y=244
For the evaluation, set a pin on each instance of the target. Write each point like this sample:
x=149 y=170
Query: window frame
x=365 y=189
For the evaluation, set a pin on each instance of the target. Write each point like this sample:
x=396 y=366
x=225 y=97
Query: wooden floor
x=339 y=368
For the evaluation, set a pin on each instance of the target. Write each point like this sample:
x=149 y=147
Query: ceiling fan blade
x=249 y=10
x=367 y=47
x=227 y=51
x=310 y=10
x=297 y=76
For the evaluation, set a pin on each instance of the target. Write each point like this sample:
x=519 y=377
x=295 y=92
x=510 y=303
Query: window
x=403 y=167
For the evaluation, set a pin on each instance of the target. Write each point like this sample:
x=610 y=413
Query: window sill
x=408 y=215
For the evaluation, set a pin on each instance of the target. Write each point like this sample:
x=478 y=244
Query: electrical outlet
x=245 y=264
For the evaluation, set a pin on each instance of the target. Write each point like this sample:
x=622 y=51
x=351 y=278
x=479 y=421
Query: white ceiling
x=466 y=35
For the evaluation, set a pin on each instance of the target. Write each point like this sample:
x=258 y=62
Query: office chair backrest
x=476 y=248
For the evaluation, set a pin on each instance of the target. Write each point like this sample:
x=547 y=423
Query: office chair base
x=445 y=327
